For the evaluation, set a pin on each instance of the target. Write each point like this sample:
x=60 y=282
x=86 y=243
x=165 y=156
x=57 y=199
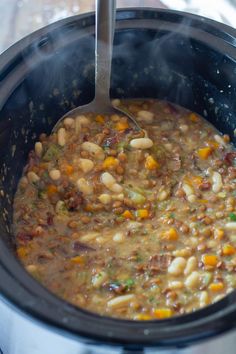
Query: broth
x=131 y=224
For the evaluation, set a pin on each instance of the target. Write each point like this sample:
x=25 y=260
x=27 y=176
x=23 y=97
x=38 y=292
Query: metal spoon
x=105 y=24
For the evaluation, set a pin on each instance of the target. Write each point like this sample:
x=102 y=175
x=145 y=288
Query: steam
x=152 y=58
x=137 y=67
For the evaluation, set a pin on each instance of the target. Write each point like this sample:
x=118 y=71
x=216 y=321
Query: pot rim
x=35 y=301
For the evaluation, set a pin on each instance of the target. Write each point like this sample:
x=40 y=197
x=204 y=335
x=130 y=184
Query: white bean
x=231 y=226
x=61 y=137
x=38 y=147
x=184 y=252
x=163 y=195
x=177 y=266
x=119 y=237
x=94 y=149
x=229 y=290
x=86 y=165
x=84 y=186
x=32 y=177
x=32 y=268
x=118 y=197
x=217 y=182
x=203 y=298
x=183 y=128
x=69 y=122
x=105 y=198
x=116 y=188
x=212 y=244
x=145 y=116
x=120 y=301
x=89 y=236
x=218 y=298
x=141 y=143
x=193 y=241
x=55 y=174
x=188 y=190
x=109 y=181
x=192 y=281
x=192 y=198
x=81 y=121
x=175 y=284
x=191 y=265
x=99 y=279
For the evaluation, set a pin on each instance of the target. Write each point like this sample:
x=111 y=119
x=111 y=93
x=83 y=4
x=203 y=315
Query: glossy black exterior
x=186 y=59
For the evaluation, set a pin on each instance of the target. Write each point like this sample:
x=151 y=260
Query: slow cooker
x=183 y=58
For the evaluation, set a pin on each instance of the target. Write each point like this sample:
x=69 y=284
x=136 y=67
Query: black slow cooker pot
x=169 y=55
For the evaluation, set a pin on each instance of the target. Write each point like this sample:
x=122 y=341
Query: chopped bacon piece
x=79 y=246
x=230 y=157
x=159 y=263
x=24 y=237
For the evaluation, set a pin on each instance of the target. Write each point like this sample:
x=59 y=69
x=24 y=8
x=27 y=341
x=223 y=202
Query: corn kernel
x=142 y=213
x=143 y=317
x=204 y=153
x=202 y=201
x=100 y=119
x=151 y=163
x=216 y=286
x=171 y=235
x=78 y=260
x=219 y=234
x=51 y=189
x=110 y=162
x=127 y=214
x=22 y=252
x=210 y=260
x=69 y=170
x=121 y=125
x=228 y=250
x=162 y=313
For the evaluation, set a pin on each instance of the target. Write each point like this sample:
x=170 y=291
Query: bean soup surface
x=131 y=224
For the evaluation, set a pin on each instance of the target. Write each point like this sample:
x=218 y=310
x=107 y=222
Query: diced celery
x=121 y=145
x=137 y=198
x=52 y=152
x=206 y=278
x=231 y=280
x=61 y=208
x=142 y=191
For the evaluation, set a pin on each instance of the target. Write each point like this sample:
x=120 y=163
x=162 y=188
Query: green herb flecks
x=52 y=153
x=232 y=216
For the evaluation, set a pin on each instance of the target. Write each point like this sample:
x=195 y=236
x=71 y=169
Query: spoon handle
x=105 y=25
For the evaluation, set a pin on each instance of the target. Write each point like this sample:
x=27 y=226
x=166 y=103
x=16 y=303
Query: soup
x=126 y=223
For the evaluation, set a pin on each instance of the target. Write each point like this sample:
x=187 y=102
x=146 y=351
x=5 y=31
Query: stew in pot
x=131 y=224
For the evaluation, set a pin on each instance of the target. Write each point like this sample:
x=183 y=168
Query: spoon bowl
x=104 y=35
